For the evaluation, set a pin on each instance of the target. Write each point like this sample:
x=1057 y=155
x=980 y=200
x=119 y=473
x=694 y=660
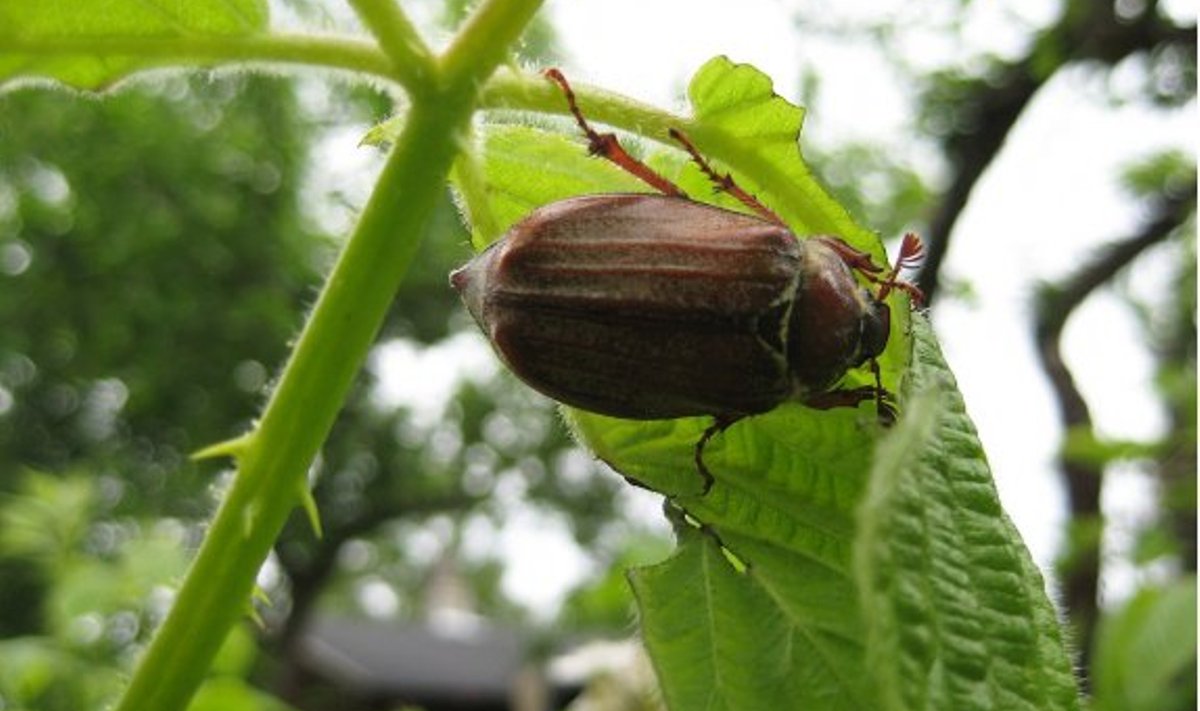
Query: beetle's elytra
x=647 y=306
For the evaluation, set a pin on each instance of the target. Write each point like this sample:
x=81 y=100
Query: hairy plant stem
x=274 y=458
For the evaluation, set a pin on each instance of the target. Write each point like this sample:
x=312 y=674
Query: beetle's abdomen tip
x=470 y=281
x=460 y=278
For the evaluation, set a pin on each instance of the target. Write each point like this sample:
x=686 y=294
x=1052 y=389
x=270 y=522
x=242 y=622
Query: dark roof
x=467 y=660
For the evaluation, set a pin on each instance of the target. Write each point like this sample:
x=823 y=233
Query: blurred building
x=451 y=660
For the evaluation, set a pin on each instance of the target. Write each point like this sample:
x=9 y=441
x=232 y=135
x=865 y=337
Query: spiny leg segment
x=725 y=183
x=607 y=146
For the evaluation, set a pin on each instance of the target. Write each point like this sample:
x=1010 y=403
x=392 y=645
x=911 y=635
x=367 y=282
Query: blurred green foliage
x=100 y=593
x=157 y=255
x=1146 y=651
x=156 y=267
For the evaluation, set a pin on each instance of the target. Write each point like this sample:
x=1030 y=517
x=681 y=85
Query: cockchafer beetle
x=646 y=306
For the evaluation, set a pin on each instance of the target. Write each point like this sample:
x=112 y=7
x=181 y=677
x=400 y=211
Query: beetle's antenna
x=912 y=251
x=856 y=259
x=607 y=146
x=725 y=183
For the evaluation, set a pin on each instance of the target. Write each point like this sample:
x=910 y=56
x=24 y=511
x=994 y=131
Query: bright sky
x=1049 y=200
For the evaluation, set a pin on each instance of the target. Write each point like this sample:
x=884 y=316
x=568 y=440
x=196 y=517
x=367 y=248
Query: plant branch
x=474 y=54
x=1084 y=479
x=274 y=458
x=398 y=39
x=984 y=109
x=277 y=454
x=508 y=89
x=335 y=52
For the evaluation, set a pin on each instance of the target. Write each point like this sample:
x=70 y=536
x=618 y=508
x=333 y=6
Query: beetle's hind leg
x=725 y=183
x=607 y=146
x=719 y=425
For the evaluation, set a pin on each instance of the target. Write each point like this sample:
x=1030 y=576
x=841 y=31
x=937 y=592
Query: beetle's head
x=875 y=325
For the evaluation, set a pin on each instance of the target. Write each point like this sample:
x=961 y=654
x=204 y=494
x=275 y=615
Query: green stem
x=336 y=52
x=397 y=38
x=302 y=410
x=274 y=458
x=472 y=57
x=514 y=90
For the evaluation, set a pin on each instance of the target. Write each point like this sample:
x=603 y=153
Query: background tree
x=969 y=108
x=971 y=113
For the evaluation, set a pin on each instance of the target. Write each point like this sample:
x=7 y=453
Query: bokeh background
x=159 y=249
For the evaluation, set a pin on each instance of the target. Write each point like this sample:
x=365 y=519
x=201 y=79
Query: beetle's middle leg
x=607 y=146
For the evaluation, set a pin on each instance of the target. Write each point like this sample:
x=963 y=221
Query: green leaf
x=48 y=519
x=1083 y=445
x=957 y=616
x=1145 y=657
x=953 y=613
x=42 y=673
x=740 y=118
x=89 y=45
x=787 y=486
x=738 y=122
x=780 y=636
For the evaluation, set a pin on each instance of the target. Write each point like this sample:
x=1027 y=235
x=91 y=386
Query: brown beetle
x=646 y=306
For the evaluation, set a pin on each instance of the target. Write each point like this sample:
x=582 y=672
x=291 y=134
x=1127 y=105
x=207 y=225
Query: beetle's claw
x=886 y=412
